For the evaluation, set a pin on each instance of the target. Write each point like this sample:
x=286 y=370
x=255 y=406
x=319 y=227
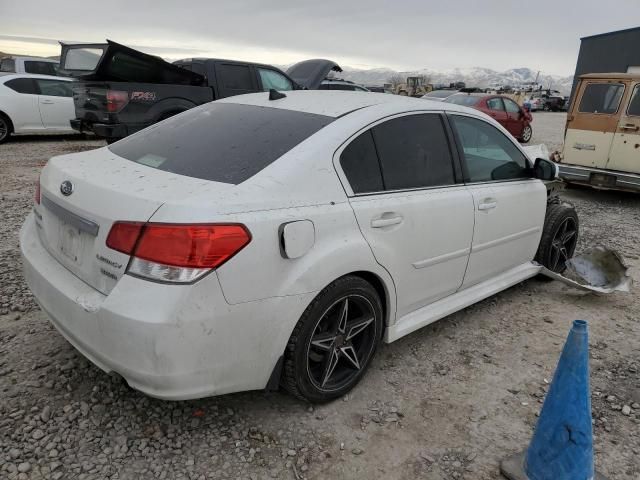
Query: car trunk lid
x=82 y=195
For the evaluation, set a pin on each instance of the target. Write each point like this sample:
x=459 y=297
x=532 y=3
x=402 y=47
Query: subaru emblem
x=66 y=188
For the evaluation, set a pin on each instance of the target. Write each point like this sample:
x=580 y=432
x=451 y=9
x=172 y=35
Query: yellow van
x=602 y=137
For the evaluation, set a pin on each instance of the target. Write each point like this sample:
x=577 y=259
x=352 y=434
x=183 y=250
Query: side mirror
x=545 y=169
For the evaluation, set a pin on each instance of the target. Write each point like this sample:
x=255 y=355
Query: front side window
x=603 y=98
x=54 y=88
x=40 y=68
x=495 y=104
x=220 y=142
x=22 y=85
x=414 y=152
x=511 y=106
x=634 y=103
x=272 y=79
x=489 y=155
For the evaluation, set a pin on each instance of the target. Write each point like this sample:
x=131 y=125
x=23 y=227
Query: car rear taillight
x=178 y=253
x=37 y=194
x=116 y=100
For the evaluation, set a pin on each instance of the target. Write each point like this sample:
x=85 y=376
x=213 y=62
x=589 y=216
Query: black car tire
x=527 y=133
x=5 y=128
x=559 y=237
x=307 y=372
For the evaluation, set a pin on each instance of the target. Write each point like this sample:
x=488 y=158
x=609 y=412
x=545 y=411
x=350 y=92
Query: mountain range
x=472 y=77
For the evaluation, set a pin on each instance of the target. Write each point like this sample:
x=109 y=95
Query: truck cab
x=602 y=137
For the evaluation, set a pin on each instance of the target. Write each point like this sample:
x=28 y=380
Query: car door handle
x=385 y=221
x=629 y=126
x=487 y=204
x=47 y=102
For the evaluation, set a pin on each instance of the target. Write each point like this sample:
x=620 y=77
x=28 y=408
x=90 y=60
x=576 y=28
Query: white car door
x=509 y=204
x=418 y=220
x=56 y=104
x=19 y=100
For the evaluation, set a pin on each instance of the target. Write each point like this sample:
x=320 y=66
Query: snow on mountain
x=473 y=77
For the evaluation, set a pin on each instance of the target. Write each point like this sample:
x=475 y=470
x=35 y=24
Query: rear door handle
x=487 y=204
x=47 y=102
x=631 y=127
x=385 y=222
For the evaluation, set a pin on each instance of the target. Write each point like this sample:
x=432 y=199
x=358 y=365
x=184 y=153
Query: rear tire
x=334 y=341
x=5 y=128
x=559 y=237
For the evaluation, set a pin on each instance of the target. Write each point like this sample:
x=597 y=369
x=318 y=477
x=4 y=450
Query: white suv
x=273 y=239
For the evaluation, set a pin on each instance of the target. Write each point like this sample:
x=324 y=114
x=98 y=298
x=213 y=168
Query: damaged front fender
x=599 y=270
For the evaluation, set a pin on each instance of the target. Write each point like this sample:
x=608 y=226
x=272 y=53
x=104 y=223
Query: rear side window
x=414 y=152
x=634 y=104
x=601 y=98
x=220 y=142
x=360 y=164
x=22 y=85
x=236 y=77
x=41 y=68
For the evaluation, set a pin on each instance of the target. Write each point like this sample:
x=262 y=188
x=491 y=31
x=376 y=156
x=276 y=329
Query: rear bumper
x=584 y=176
x=172 y=342
x=105 y=130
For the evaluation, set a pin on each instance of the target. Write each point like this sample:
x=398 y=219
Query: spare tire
x=559 y=237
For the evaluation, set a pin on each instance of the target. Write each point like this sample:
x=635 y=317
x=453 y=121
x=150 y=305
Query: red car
x=504 y=110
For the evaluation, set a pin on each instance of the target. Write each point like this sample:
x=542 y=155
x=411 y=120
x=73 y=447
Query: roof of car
x=606 y=76
x=338 y=103
x=4 y=75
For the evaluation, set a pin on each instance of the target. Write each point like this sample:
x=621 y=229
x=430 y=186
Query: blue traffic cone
x=562 y=444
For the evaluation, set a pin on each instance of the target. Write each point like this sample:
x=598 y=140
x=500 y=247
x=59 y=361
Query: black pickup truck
x=121 y=90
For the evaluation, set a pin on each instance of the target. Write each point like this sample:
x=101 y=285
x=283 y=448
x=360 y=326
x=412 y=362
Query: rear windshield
x=221 y=142
x=82 y=58
x=467 y=100
x=441 y=93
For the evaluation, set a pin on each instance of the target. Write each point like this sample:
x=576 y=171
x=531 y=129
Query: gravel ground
x=447 y=402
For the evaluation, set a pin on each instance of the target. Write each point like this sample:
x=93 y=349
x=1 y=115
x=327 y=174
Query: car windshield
x=440 y=93
x=467 y=100
x=221 y=142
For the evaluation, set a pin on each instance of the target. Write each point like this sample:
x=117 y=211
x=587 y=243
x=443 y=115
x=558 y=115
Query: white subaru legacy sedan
x=267 y=240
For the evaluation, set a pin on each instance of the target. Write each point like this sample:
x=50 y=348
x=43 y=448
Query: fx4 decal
x=143 y=96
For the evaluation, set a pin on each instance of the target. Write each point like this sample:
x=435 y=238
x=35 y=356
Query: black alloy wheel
x=559 y=237
x=334 y=341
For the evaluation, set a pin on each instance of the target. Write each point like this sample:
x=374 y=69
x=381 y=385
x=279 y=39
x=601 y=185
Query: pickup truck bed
x=121 y=90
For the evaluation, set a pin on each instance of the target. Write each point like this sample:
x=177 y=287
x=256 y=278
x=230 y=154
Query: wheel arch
x=6 y=115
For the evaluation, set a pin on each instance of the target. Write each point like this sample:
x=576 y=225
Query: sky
x=403 y=34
